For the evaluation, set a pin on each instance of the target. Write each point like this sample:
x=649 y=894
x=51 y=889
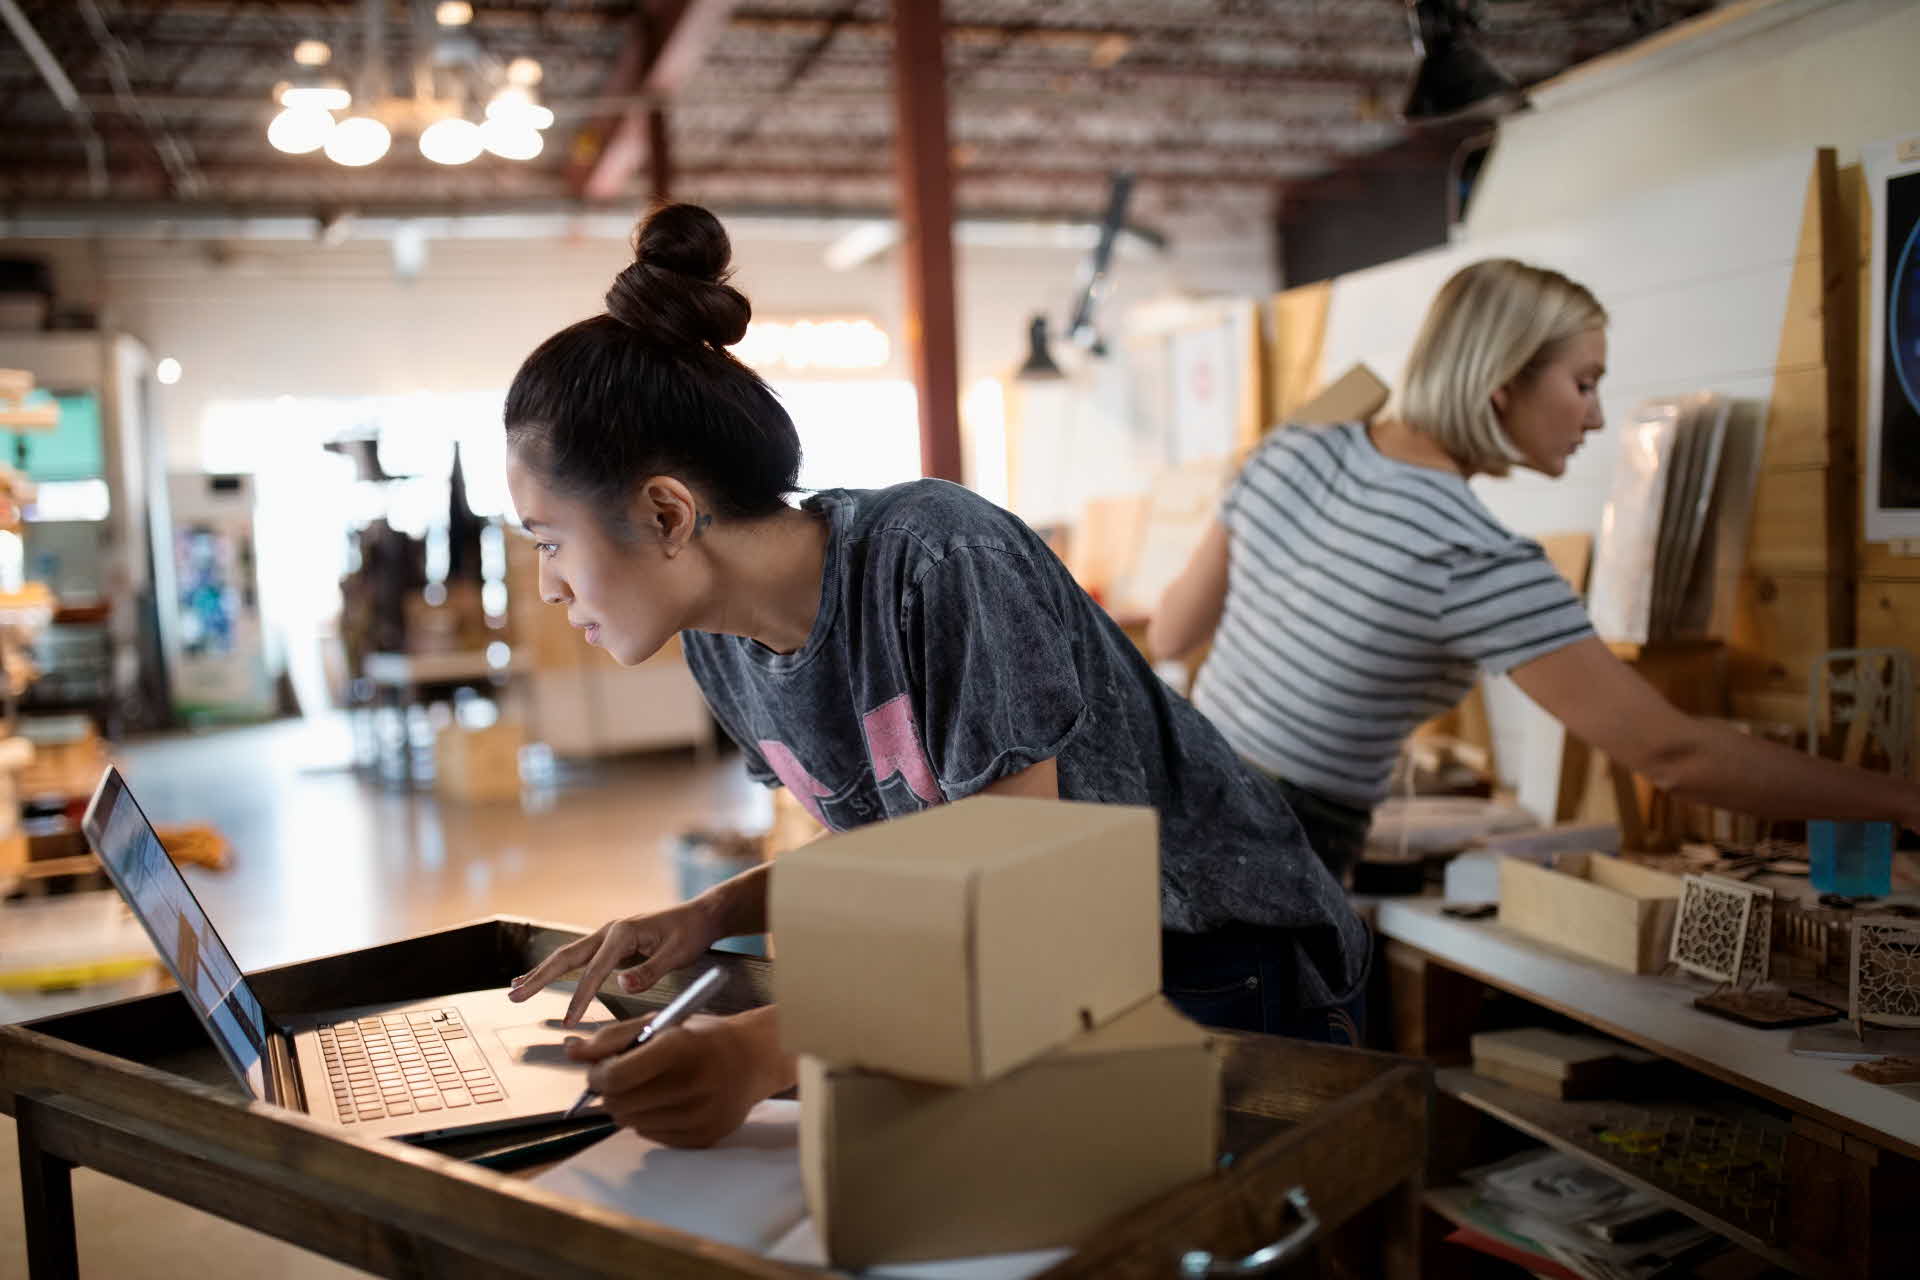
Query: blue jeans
x=1244 y=977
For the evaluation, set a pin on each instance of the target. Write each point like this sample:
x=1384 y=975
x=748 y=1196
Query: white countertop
x=1656 y=1013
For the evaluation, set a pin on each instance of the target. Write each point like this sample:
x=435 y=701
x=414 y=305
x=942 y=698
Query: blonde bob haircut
x=1493 y=323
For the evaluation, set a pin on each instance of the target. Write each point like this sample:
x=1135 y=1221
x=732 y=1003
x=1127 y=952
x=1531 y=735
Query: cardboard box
x=1356 y=394
x=896 y=1171
x=1606 y=909
x=1554 y=1064
x=955 y=944
x=478 y=764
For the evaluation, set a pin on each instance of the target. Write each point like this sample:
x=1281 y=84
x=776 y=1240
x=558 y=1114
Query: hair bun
x=676 y=292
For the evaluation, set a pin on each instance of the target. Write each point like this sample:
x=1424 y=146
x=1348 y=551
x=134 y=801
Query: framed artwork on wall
x=1892 y=473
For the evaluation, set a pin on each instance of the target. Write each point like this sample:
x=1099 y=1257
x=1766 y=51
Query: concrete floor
x=327 y=860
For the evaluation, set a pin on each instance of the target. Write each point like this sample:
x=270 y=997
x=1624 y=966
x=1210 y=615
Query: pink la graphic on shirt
x=893 y=747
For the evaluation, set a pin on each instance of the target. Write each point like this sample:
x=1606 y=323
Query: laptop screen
x=139 y=867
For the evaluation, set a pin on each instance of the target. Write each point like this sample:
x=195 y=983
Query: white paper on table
x=802 y=1246
x=744 y=1191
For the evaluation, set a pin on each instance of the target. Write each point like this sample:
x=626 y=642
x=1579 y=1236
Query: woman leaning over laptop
x=876 y=652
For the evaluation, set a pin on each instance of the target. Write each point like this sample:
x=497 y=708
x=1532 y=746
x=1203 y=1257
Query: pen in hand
x=683 y=1006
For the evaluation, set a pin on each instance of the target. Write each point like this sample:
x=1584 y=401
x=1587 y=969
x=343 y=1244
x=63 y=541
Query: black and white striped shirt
x=1363 y=594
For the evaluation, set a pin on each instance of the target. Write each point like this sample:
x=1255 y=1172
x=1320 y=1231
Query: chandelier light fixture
x=453 y=140
x=313 y=103
x=357 y=141
x=298 y=130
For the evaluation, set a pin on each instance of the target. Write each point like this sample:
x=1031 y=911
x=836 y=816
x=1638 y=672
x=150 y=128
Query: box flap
x=1151 y=1024
x=969 y=836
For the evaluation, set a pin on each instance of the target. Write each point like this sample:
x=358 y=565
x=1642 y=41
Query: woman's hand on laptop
x=690 y=1086
x=668 y=939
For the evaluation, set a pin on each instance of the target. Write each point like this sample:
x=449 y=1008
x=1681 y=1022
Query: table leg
x=46 y=1201
x=408 y=698
x=1381 y=1242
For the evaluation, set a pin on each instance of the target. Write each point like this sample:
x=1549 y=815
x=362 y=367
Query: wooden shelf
x=1574 y=1127
x=1657 y=1014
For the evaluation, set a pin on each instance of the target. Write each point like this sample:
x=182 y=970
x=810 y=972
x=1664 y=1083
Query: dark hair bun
x=676 y=291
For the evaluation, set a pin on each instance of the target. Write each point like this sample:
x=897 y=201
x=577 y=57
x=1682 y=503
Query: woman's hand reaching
x=668 y=940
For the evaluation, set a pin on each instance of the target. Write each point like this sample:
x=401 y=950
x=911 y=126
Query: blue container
x=1854 y=859
x=698 y=865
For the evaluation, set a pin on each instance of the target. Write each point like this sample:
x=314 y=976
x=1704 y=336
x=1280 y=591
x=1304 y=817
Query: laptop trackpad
x=543 y=1044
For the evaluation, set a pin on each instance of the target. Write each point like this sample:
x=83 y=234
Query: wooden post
x=924 y=176
x=46 y=1201
x=659 y=155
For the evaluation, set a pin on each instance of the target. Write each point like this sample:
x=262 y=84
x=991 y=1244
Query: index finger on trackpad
x=543 y=1044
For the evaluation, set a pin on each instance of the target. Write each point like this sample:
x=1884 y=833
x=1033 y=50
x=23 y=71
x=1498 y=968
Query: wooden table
x=1852 y=1148
x=134 y=1090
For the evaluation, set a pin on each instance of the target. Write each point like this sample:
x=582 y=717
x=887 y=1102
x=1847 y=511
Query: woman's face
x=1549 y=412
x=629 y=595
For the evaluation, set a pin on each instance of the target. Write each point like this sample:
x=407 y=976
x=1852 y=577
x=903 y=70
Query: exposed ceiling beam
x=1327 y=28
x=514 y=220
x=838 y=188
x=663 y=50
x=1222 y=102
x=63 y=92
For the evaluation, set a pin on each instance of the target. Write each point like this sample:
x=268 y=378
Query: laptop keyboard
x=402 y=1064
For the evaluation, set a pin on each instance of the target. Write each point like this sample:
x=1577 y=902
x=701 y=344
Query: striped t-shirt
x=1363 y=594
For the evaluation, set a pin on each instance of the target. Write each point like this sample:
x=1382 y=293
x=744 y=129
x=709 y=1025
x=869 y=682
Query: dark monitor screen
x=157 y=893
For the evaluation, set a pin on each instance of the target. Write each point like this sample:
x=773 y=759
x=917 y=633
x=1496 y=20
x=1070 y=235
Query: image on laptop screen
x=181 y=932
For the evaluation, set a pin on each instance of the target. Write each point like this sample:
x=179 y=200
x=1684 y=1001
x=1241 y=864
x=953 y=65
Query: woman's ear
x=1501 y=398
x=669 y=508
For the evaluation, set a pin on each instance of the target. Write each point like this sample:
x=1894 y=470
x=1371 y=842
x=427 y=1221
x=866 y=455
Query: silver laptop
x=420 y=1069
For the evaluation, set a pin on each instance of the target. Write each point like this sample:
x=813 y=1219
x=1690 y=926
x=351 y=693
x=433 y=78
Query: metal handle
x=1198 y=1262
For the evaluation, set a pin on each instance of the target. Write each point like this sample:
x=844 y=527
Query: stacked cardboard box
x=986 y=1062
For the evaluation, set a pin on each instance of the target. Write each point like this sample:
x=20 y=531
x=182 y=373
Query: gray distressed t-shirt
x=952 y=649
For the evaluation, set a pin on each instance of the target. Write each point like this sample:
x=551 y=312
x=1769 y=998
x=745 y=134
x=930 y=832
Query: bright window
x=855 y=435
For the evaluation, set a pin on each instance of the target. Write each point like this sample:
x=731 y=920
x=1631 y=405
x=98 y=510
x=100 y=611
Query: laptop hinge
x=283 y=1075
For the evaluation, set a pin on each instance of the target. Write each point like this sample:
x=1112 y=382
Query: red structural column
x=925 y=179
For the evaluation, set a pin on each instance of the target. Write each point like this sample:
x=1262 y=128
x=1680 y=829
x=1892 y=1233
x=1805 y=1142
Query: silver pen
x=683 y=1006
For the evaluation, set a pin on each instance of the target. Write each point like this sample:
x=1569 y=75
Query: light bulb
x=515 y=104
x=453 y=13
x=326 y=95
x=450 y=141
x=358 y=140
x=312 y=53
x=511 y=140
x=298 y=130
x=167 y=371
x=524 y=71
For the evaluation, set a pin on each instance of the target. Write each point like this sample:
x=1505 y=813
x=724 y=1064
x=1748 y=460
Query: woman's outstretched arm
x=1191 y=607
x=1608 y=704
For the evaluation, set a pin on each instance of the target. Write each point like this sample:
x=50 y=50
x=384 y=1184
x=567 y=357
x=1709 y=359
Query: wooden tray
x=134 y=1090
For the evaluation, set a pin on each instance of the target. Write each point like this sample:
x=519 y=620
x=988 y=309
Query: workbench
x=135 y=1090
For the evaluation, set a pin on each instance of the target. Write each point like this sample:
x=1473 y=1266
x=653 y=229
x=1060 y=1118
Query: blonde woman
x=1354 y=585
